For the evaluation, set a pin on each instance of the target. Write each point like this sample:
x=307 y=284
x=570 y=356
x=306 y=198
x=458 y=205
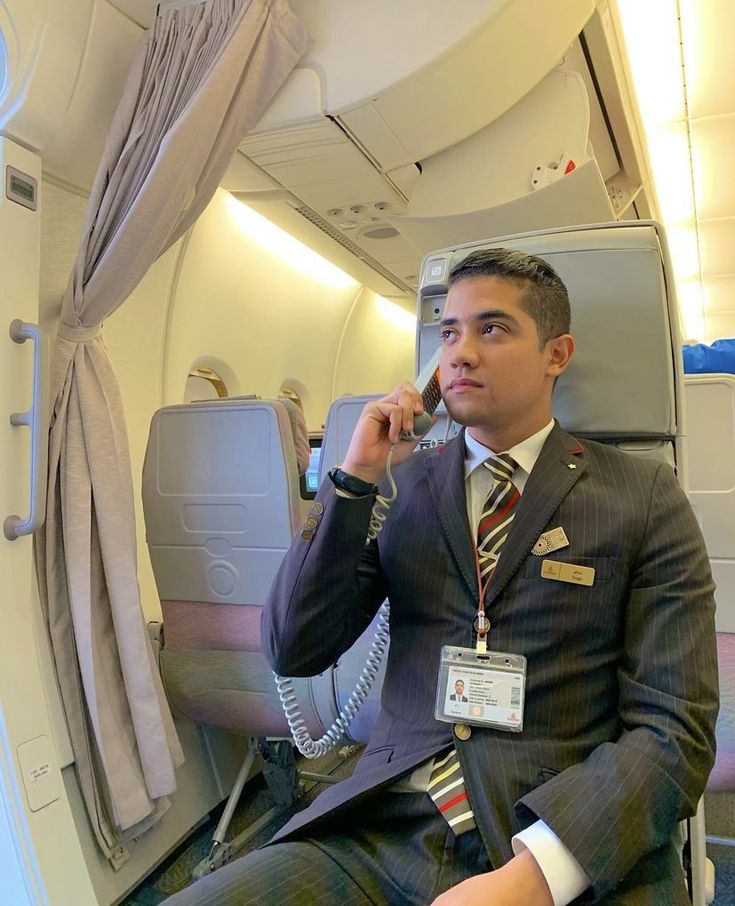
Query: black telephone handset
x=427 y=383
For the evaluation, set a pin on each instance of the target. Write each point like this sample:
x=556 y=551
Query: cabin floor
x=176 y=872
x=256 y=799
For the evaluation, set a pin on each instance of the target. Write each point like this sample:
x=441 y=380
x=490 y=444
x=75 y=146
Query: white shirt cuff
x=563 y=873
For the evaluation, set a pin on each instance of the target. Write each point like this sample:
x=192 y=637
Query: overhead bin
x=410 y=79
x=580 y=198
x=483 y=185
x=530 y=169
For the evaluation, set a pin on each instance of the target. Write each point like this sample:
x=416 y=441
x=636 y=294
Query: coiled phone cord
x=315 y=748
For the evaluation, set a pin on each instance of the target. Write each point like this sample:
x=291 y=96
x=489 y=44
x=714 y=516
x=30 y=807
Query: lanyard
x=480 y=623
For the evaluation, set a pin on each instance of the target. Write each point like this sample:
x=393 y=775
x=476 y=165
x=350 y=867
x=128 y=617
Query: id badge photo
x=485 y=690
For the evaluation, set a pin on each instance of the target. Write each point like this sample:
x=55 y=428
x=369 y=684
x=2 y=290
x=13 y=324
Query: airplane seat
x=221 y=503
x=299 y=432
x=710 y=402
x=302 y=450
x=722 y=778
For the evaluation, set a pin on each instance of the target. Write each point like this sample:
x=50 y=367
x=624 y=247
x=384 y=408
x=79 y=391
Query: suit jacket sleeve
x=624 y=800
x=328 y=589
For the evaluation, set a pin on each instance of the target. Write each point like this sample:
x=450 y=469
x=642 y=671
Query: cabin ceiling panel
x=713 y=148
x=301 y=226
x=708 y=38
x=389 y=251
x=719 y=293
x=408 y=271
x=243 y=175
x=717 y=243
x=365 y=193
x=74 y=151
x=719 y=324
x=43 y=45
x=308 y=154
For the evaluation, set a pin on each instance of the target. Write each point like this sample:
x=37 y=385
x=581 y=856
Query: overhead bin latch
x=544 y=175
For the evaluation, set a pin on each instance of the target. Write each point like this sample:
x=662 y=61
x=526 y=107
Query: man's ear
x=559 y=351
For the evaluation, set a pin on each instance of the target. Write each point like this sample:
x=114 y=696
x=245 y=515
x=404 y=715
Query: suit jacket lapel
x=446 y=483
x=558 y=468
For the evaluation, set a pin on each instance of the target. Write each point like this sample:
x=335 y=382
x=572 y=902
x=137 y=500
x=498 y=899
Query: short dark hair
x=543 y=295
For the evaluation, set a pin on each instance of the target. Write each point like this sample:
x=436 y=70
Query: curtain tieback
x=78 y=334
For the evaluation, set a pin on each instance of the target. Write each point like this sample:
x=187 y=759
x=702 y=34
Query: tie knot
x=502 y=466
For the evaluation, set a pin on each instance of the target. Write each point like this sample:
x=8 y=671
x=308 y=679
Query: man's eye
x=490 y=328
x=446 y=335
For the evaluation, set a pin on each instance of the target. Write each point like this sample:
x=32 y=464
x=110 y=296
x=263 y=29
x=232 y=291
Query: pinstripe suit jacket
x=621 y=694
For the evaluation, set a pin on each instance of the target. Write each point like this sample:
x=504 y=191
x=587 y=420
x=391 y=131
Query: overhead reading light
x=652 y=35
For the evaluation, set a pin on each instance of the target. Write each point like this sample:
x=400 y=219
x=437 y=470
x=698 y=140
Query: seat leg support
x=219 y=852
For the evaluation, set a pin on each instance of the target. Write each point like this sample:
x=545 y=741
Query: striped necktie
x=497 y=514
x=446 y=784
x=447 y=789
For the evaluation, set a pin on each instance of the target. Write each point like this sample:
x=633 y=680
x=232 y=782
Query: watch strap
x=351 y=483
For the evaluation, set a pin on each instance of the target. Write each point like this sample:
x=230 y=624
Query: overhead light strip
x=653 y=40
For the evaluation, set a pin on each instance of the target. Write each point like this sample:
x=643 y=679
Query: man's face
x=495 y=378
x=459 y=687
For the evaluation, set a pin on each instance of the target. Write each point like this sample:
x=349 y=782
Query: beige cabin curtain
x=201 y=79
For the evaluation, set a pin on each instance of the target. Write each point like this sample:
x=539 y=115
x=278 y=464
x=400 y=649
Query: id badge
x=485 y=690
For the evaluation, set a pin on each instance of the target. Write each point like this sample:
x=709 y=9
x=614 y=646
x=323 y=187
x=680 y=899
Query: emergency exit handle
x=14 y=526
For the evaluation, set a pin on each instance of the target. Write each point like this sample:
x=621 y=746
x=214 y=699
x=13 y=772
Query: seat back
x=624 y=382
x=221 y=503
x=710 y=407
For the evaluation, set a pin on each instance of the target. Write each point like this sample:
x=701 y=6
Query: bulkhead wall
x=239 y=296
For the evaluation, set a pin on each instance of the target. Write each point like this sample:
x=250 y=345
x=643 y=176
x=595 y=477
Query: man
x=620 y=688
x=458 y=695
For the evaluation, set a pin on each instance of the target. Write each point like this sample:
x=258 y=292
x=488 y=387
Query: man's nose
x=463 y=352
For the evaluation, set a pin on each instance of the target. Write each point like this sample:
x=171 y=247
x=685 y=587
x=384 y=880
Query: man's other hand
x=519 y=882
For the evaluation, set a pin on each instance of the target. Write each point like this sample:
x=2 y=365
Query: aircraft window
x=204 y=383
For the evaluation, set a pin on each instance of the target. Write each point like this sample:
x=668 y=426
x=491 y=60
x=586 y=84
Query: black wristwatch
x=351 y=483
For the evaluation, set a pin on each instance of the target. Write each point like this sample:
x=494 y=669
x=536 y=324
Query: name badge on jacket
x=567 y=572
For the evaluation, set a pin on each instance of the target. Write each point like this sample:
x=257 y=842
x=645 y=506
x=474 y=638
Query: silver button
x=462 y=731
x=317 y=508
